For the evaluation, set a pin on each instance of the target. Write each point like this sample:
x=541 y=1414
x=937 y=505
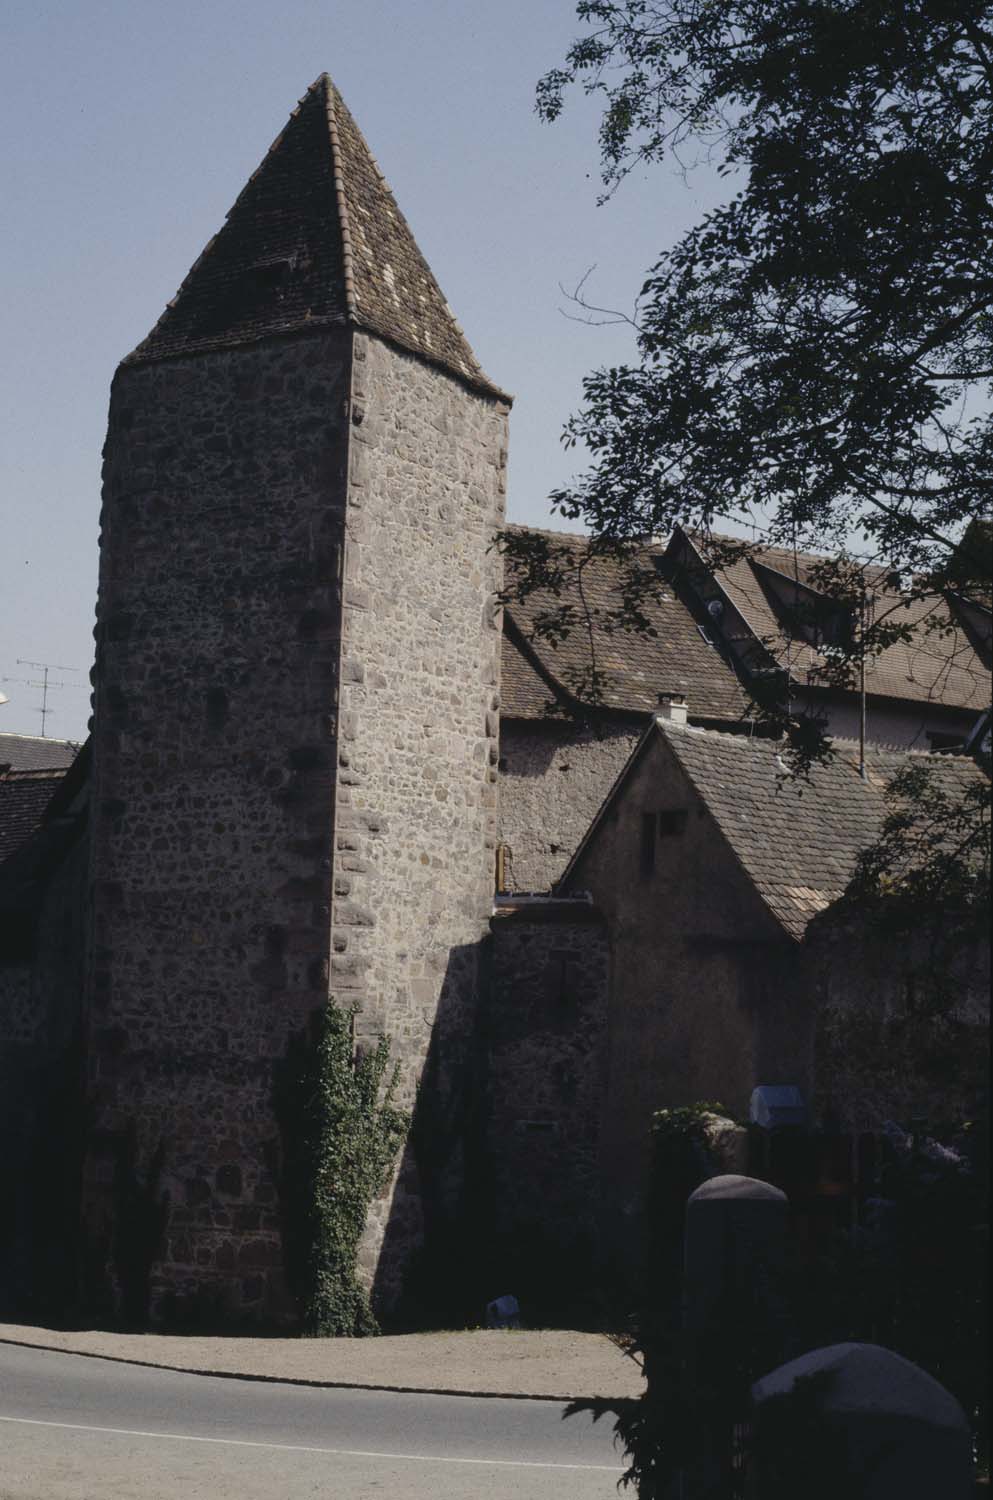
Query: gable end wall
x=704 y=999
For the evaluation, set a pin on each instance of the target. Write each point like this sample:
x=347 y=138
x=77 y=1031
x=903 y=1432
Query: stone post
x=858 y=1421
x=734 y=1310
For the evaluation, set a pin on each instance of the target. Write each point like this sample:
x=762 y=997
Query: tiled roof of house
x=315 y=239
x=524 y=692
x=635 y=668
x=42 y=813
x=942 y=663
x=24 y=796
x=797 y=840
x=30 y=752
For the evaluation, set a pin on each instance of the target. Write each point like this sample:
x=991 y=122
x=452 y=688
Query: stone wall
x=545 y=1060
x=888 y=1047
x=416 y=806
x=554 y=776
x=41 y=1008
x=20 y=1018
x=218 y=626
x=22 y=1090
x=294 y=786
x=704 y=991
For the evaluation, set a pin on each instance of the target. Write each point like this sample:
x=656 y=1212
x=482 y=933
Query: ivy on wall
x=341 y=1134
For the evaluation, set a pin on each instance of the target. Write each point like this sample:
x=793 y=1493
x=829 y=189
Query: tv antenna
x=44 y=682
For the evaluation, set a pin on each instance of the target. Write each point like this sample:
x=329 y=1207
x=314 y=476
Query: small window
x=558 y=975
x=671 y=821
x=647 y=844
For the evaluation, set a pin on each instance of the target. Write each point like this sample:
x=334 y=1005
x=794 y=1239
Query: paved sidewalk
x=550 y=1365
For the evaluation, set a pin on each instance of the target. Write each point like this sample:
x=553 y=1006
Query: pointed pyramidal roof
x=315 y=239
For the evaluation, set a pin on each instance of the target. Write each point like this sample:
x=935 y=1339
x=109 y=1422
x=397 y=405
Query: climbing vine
x=341 y=1134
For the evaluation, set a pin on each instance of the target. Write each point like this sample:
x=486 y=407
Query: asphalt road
x=73 y=1428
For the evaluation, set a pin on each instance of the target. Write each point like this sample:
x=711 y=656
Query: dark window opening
x=806 y=613
x=672 y=821
x=558 y=975
x=647 y=844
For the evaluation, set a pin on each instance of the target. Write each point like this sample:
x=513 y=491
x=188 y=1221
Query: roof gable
x=797 y=841
x=314 y=240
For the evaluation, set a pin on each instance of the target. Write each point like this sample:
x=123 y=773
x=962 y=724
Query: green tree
x=816 y=355
x=815 y=358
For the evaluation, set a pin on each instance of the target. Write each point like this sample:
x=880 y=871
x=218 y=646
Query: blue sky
x=130 y=128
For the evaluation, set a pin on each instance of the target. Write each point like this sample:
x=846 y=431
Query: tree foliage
x=816 y=354
x=930 y=861
x=814 y=359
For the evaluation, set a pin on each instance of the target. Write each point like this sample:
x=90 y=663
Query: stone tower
x=295 y=731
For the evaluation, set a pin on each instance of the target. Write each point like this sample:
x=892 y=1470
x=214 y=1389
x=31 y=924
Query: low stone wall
x=545 y=1061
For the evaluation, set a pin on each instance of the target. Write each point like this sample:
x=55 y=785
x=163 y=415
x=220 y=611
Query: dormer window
x=806 y=613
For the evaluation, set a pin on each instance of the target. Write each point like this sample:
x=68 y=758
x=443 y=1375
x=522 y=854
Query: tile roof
x=635 y=667
x=942 y=663
x=524 y=692
x=315 y=239
x=797 y=840
x=24 y=796
x=30 y=752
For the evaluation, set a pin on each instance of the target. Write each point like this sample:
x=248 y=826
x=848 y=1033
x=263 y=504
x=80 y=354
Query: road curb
x=340 y=1385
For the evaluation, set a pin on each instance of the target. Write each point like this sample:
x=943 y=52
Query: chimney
x=672 y=708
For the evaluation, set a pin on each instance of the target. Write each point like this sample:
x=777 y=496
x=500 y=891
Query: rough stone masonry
x=295 y=715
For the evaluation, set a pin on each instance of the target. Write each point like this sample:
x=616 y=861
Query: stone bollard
x=735 y=1251
x=734 y=1310
x=858 y=1421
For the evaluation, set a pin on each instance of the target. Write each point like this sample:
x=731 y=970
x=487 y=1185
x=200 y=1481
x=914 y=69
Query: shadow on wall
x=545 y=1049
x=498 y=1186
x=42 y=1125
x=431 y=1270
x=411 y=1250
